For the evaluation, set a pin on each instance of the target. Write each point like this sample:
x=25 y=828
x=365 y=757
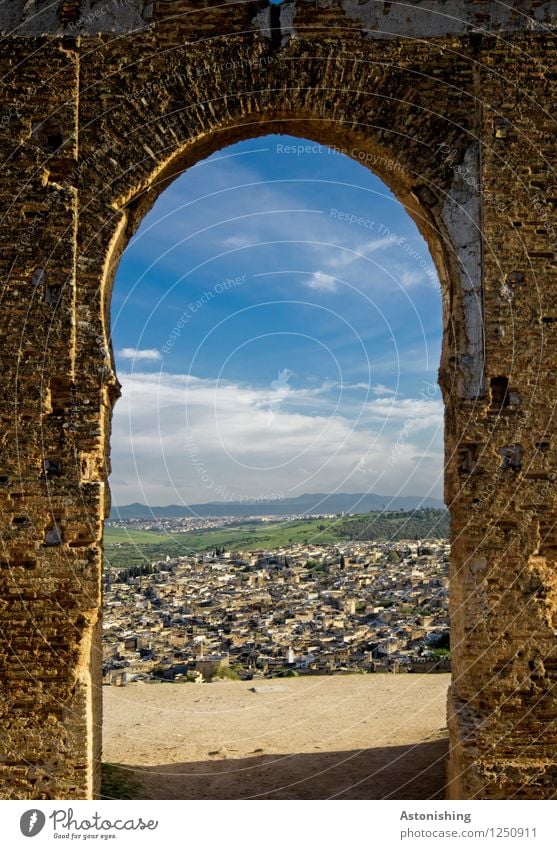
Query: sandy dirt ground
x=347 y=737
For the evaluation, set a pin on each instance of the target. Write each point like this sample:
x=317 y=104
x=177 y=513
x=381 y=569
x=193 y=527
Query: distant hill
x=309 y=504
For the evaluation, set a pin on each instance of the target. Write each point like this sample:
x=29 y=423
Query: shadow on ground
x=388 y=772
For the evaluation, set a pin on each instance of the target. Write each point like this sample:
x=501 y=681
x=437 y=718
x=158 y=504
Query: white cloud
x=415 y=413
x=375 y=264
x=376 y=245
x=409 y=277
x=182 y=438
x=379 y=389
x=139 y=354
x=321 y=282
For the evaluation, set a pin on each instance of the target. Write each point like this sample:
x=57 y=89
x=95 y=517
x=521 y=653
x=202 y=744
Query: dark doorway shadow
x=388 y=772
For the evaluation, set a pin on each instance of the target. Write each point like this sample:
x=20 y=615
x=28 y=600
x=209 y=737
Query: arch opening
x=286 y=262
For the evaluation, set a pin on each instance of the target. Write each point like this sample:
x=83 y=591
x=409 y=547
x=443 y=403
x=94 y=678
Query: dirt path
x=349 y=737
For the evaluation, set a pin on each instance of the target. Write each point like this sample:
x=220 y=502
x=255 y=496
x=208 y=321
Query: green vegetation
x=126 y=558
x=396 y=525
x=118 y=782
x=126 y=548
x=123 y=575
x=158 y=671
x=126 y=535
x=441 y=647
x=225 y=672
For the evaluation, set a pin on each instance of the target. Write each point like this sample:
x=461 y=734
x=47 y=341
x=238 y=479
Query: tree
x=443 y=641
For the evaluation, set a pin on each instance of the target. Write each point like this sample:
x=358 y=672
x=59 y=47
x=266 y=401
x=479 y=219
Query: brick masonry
x=101 y=106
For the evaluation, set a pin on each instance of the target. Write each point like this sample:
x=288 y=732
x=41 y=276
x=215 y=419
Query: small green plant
x=225 y=672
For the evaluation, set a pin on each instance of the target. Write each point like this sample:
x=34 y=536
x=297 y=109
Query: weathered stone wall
x=449 y=104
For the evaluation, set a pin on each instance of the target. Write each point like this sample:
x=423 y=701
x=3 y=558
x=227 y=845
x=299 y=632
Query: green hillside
x=124 y=547
x=417 y=524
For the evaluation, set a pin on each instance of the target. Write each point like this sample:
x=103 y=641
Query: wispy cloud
x=249 y=219
x=321 y=282
x=350 y=253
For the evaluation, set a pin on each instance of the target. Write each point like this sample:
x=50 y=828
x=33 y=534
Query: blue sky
x=276 y=322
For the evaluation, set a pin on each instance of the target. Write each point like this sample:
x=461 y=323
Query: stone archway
x=128 y=106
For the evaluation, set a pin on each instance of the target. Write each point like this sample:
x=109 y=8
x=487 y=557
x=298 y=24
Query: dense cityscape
x=300 y=609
